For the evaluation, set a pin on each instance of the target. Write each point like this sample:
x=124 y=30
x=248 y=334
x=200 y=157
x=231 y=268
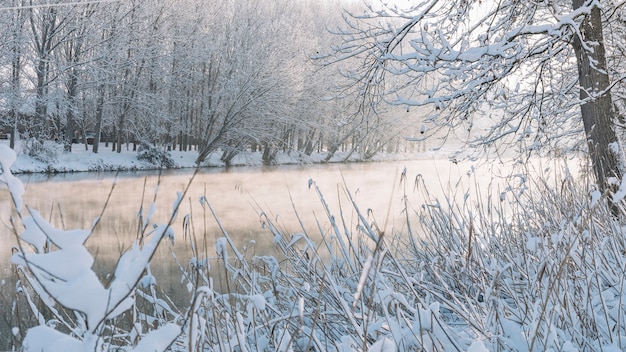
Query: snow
x=595 y=197
x=158 y=340
x=364 y=274
x=81 y=160
x=73 y=284
x=39 y=231
x=283 y=341
x=621 y=192
x=221 y=248
x=43 y=338
x=477 y=346
x=7 y=161
x=258 y=301
x=60 y=268
x=385 y=344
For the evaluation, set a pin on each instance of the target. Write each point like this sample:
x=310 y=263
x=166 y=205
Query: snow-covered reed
x=540 y=267
x=74 y=309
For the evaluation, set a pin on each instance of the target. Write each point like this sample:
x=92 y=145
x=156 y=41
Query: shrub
x=46 y=152
x=155 y=155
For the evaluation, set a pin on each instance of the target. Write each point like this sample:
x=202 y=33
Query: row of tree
x=238 y=75
x=193 y=74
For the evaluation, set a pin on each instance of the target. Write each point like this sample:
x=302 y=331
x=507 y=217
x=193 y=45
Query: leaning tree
x=509 y=72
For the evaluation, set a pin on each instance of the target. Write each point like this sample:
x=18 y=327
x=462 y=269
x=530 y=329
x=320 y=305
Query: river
x=237 y=195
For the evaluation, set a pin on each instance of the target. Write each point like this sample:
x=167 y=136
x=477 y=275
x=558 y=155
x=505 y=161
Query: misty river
x=238 y=195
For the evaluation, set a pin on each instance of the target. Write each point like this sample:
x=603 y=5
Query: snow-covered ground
x=107 y=160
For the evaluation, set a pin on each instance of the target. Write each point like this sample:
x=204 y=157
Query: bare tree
x=249 y=79
x=13 y=34
x=46 y=29
x=504 y=72
x=73 y=52
x=229 y=75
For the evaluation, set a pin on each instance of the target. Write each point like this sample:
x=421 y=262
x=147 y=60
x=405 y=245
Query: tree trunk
x=119 y=141
x=269 y=153
x=71 y=123
x=98 y=129
x=38 y=128
x=597 y=110
x=113 y=139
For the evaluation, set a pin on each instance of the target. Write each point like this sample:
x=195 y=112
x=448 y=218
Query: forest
x=225 y=76
x=528 y=259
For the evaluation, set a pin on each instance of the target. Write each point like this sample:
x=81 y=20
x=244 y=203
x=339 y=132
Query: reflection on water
x=237 y=195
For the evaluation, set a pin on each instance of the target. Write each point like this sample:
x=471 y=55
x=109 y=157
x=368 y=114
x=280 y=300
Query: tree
x=508 y=72
x=13 y=34
x=105 y=60
x=131 y=62
x=189 y=74
x=46 y=27
x=72 y=51
x=597 y=110
x=249 y=80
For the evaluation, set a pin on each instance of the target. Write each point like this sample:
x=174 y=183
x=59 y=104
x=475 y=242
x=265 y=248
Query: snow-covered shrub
x=46 y=152
x=155 y=155
x=74 y=309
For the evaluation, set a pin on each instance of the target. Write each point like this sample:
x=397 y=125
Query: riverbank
x=81 y=160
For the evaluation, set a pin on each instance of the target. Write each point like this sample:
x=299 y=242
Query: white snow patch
x=258 y=301
x=42 y=339
x=220 y=247
x=159 y=339
x=384 y=344
x=7 y=160
x=477 y=346
x=621 y=192
x=80 y=160
x=595 y=196
x=533 y=243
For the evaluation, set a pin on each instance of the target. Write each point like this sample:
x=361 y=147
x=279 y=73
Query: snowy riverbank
x=80 y=160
